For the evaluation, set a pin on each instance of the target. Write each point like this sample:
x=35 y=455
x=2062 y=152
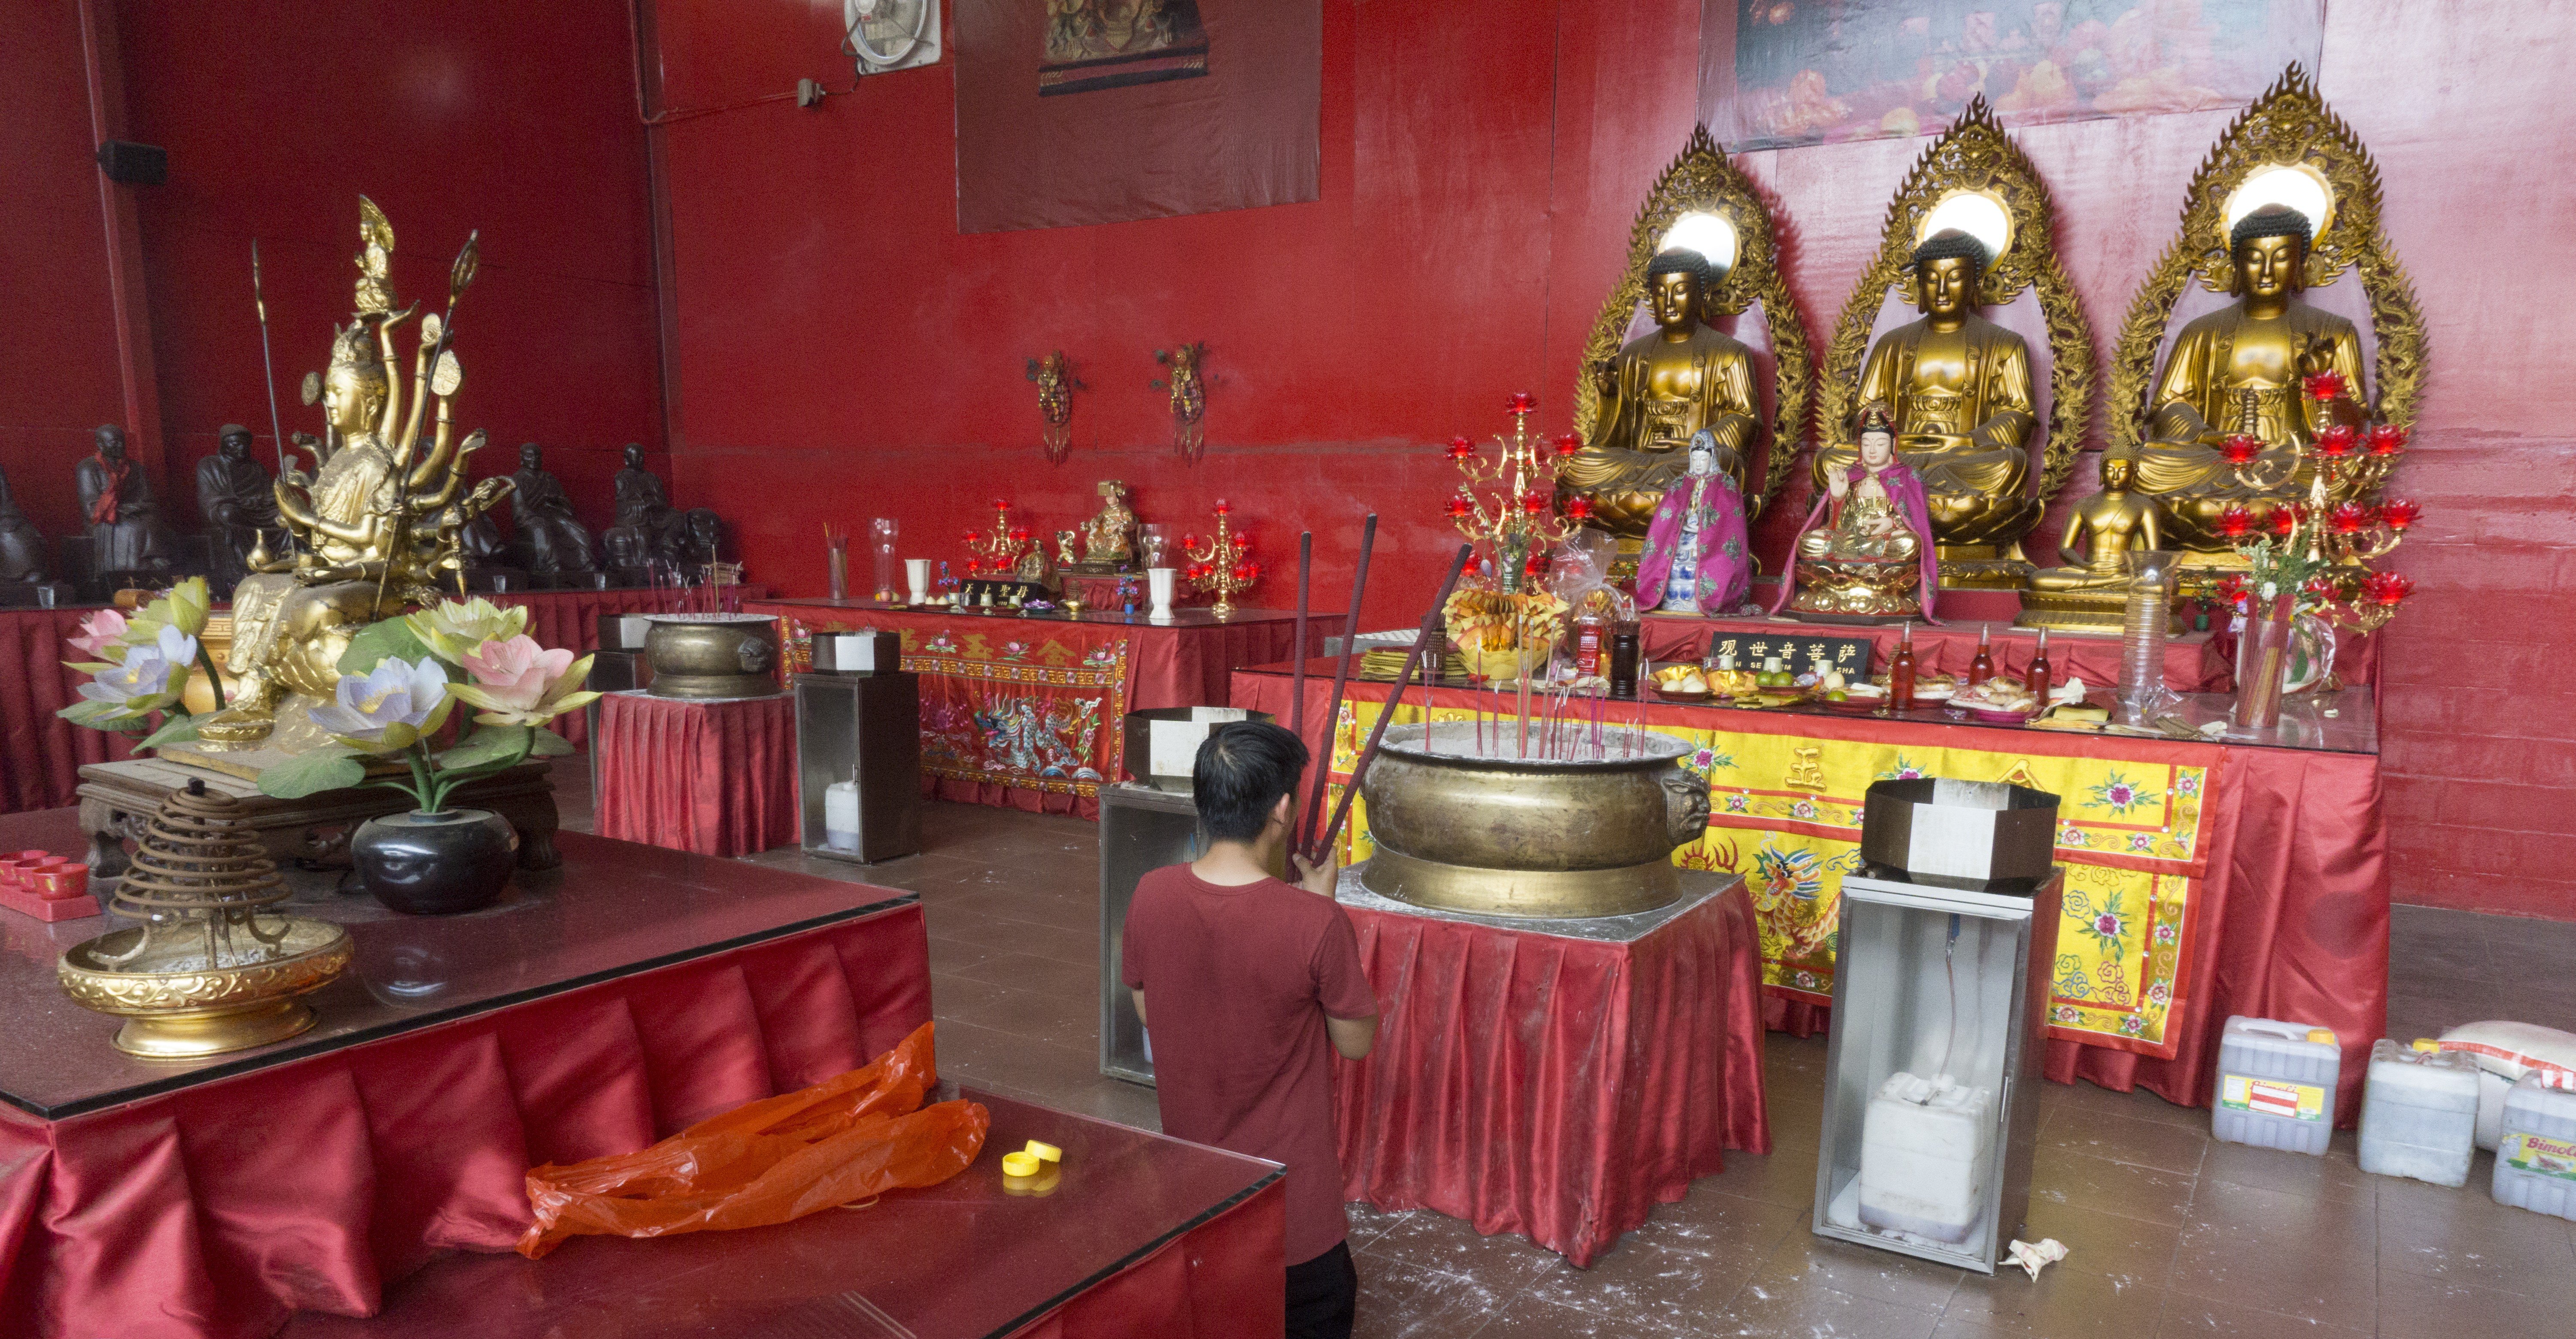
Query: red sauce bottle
x=1900 y=672
x=1983 y=667
x=2036 y=678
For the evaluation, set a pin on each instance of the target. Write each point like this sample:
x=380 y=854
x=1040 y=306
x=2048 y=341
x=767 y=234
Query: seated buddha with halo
x=2241 y=371
x=1660 y=390
x=1957 y=388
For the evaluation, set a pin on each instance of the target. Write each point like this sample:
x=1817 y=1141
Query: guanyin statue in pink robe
x=1873 y=513
x=1695 y=559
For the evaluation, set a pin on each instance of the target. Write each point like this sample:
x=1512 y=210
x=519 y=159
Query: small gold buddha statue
x=2110 y=525
x=2240 y=371
x=1659 y=390
x=1865 y=552
x=1958 y=389
x=1109 y=539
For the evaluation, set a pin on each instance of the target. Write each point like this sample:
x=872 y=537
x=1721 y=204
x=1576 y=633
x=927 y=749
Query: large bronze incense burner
x=1589 y=831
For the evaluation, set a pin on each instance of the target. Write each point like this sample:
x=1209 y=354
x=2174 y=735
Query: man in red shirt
x=1254 y=983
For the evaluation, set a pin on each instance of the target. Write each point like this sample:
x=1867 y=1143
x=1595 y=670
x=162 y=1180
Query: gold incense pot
x=212 y=968
x=378 y=523
x=1588 y=835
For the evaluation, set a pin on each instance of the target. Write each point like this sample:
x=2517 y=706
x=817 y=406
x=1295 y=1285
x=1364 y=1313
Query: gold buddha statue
x=2240 y=371
x=2110 y=525
x=378 y=521
x=1660 y=389
x=1958 y=388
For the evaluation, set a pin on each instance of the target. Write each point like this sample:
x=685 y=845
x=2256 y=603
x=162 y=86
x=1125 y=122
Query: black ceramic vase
x=435 y=864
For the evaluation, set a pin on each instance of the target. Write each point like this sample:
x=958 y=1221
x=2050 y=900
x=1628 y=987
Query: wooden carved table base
x=118 y=798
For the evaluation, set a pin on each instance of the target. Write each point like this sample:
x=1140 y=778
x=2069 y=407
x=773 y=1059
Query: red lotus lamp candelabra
x=1223 y=564
x=1516 y=513
x=998 y=555
x=2333 y=535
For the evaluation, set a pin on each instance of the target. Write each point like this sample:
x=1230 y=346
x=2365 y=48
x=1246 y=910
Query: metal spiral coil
x=197 y=869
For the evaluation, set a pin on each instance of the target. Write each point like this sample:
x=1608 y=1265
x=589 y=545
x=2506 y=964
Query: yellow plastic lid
x=1045 y=1152
x=2323 y=1034
x=1019 y=1164
x=2427 y=1045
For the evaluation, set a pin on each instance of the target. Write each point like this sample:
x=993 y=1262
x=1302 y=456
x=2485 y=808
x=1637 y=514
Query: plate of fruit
x=1683 y=683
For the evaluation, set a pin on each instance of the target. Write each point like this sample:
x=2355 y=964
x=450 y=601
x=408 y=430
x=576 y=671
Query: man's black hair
x=1242 y=769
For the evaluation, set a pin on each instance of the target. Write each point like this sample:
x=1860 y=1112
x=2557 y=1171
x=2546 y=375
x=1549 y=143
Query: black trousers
x=1323 y=1295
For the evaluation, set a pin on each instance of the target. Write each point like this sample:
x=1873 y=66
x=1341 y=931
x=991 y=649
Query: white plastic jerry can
x=2535 y=1166
x=2276 y=1084
x=1926 y=1157
x=2419 y=1113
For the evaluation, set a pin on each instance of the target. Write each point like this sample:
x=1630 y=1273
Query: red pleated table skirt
x=717 y=778
x=215 y=1211
x=1552 y=1087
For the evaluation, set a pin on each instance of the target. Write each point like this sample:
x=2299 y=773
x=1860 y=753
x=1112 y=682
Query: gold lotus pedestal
x=1858 y=590
x=212 y=968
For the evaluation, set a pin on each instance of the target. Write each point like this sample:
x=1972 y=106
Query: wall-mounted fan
x=891 y=34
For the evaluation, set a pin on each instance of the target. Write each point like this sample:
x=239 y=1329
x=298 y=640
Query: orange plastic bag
x=772 y=1161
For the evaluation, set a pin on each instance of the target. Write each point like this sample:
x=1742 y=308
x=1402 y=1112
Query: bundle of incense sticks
x=1431 y=620
x=1314 y=806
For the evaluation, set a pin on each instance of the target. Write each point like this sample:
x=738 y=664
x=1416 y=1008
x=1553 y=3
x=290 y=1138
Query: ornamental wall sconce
x=1056 y=385
x=1189 y=397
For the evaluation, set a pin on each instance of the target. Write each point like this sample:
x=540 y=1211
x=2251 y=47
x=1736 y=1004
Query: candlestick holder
x=1517 y=514
x=2324 y=545
x=1223 y=565
x=998 y=555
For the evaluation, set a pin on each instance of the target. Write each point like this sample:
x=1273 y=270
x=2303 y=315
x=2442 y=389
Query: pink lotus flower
x=99 y=631
x=517 y=682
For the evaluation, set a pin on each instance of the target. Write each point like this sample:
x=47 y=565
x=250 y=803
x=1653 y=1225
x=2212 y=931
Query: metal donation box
x=1142 y=829
x=1947 y=941
x=858 y=765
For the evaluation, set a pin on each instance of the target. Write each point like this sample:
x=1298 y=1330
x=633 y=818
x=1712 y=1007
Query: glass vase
x=2262 y=666
x=883 y=534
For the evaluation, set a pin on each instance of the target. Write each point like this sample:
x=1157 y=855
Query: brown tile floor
x=2169 y=1232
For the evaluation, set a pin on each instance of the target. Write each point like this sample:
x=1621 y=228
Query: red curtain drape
x=717 y=778
x=1550 y=1087
x=40 y=753
x=218 y=1209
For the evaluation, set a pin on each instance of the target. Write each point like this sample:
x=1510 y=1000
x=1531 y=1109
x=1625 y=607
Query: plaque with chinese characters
x=1799 y=652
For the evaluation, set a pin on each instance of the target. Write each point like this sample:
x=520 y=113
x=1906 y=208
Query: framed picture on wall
x=1074 y=112
x=1775 y=74
x=1094 y=44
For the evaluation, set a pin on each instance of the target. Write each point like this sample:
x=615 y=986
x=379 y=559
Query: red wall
x=517 y=119
x=841 y=351
x=58 y=359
